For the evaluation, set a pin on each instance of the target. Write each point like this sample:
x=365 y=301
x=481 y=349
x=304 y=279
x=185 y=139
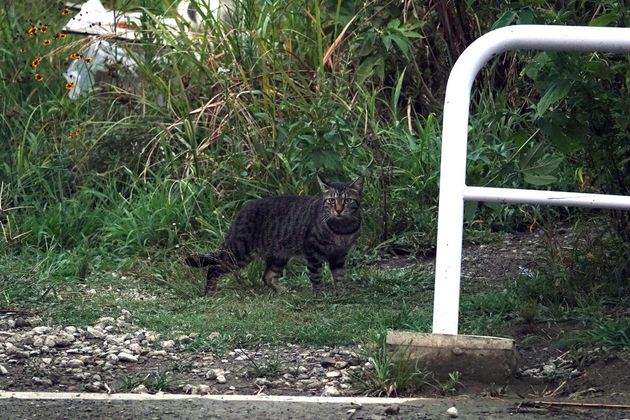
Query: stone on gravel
x=333 y=374
x=201 y=390
x=328 y=362
x=94 y=333
x=341 y=365
x=452 y=412
x=41 y=330
x=330 y=391
x=75 y=363
x=127 y=357
x=168 y=344
x=3 y=370
x=140 y=389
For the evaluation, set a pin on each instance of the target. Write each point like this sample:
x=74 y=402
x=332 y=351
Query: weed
x=450 y=386
x=263 y=367
x=159 y=381
x=391 y=373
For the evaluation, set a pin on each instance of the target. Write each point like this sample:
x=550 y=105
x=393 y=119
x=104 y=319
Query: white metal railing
x=453 y=188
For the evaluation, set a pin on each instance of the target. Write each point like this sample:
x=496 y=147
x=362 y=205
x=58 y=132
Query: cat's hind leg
x=223 y=261
x=274 y=270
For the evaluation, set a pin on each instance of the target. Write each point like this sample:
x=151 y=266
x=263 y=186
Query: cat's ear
x=357 y=184
x=324 y=184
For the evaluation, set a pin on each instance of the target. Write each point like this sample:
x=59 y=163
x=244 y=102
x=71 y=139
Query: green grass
x=164 y=295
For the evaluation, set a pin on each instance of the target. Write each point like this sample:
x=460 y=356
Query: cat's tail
x=199 y=260
x=220 y=257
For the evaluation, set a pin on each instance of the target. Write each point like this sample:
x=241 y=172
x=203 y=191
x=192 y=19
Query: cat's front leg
x=337 y=264
x=314 y=265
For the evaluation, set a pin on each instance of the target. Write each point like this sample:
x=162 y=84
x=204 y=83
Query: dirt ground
x=546 y=372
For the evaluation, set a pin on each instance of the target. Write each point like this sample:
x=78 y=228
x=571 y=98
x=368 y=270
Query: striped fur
x=322 y=229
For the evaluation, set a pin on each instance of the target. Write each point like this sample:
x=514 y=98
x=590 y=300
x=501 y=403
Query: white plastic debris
x=97 y=57
x=105 y=27
x=452 y=412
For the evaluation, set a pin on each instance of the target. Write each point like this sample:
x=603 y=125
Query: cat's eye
x=330 y=200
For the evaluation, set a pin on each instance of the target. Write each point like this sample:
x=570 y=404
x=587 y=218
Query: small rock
x=75 y=363
x=50 y=341
x=327 y=362
x=452 y=412
x=140 y=389
x=92 y=332
x=168 y=344
x=214 y=335
x=25 y=322
x=333 y=374
x=549 y=369
x=135 y=348
x=341 y=365
x=64 y=340
x=127 y=357
x=392 y=410
x=201 y=390
x=262 y=382
x=330 y=391
x=3 y=370
x=41 y=330
x=214 y=373
x=41 y=381
x=221 y=379
x=38 y=341
x=188 y=389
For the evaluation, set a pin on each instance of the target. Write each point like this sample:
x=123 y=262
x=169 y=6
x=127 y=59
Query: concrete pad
x=476 y=358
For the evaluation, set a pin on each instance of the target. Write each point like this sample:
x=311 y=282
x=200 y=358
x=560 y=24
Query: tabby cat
x=321 y=228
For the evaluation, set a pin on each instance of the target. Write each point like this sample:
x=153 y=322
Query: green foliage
x=392 y=373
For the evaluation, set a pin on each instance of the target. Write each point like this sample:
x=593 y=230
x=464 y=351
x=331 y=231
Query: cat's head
x=341 y=199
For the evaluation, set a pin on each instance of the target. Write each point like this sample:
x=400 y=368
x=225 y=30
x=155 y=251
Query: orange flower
x=75 y=56
x=78 y=132
x=22 y=50
x=43 y=28
x=69 y=85
x=32 y=31
x=36 y=62
x=65 y=12
x=47 y=42
x=87 y=60
x=39 y=77
x=60 y=36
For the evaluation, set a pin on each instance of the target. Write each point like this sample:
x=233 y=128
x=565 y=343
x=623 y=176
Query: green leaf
x=555 y=93
x=536 y=65
x=539 y=180
x=396 y=94
x=371 y=66
x=507 y=18
x=565 y=143
x=603 y=20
